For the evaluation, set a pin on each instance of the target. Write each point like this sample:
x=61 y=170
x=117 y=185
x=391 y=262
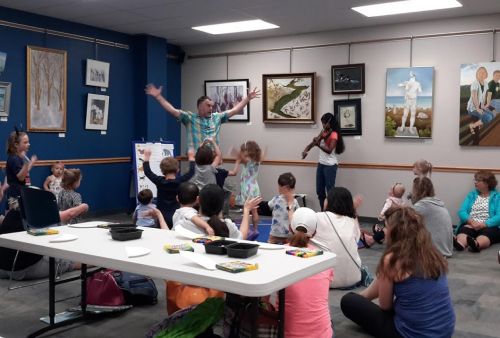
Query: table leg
x=281 y=313
x=83 y=298
x=52 y=290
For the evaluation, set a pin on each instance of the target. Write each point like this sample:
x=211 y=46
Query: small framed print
x=5 y=98
x=225 y=94
x=348 y=114
x=348 y=79
x=97 y=73
x=97 y=112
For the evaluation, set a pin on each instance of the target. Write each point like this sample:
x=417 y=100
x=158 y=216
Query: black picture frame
x=226 y=93
x=348 y=115
x=348 y=79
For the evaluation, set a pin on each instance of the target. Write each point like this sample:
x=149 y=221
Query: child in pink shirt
x=307 y=313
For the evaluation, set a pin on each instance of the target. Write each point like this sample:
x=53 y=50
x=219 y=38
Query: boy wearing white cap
x=307 y=313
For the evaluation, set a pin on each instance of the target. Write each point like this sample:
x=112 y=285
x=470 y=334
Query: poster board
x=159 y=151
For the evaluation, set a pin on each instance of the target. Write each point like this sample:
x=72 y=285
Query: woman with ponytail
x=330 y=144
x=411 y=285
x=307 y=313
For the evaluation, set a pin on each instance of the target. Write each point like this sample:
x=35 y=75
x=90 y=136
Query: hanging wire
x=348 y=61
x=291 y=59
x=493 y=47
x=227 y=67
x=411 y=51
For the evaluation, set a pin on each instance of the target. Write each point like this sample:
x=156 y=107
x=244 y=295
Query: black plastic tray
x=218 y=247
x=242 y=250
x=126 y=234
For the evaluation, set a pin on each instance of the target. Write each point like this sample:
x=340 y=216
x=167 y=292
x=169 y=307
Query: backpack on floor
x=137 y=289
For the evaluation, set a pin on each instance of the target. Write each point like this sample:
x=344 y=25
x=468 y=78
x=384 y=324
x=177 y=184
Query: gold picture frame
x=46 y=89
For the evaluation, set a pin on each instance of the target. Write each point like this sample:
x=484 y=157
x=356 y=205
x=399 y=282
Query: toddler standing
x=53 y=182
x=168 y=185
x=283 y=206
x=69 y=198
x=208 y=157
x=251 y=157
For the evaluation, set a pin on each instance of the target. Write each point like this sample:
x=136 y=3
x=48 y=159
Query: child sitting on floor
x=142 y=215
x=283 y=207
x=188 y=198
x=307 y=311
x=69 y=198
x=395 y=199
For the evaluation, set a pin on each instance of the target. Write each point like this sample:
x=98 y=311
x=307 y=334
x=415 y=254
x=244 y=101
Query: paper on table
x=63 y=238
x=136 y=251
x=186 y=233
x=200 y=259
x=92 y=224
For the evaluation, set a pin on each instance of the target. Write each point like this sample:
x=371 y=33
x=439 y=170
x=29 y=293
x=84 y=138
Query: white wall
x=285 y=142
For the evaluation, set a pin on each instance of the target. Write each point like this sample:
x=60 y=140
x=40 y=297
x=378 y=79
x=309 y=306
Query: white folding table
x=94 y=246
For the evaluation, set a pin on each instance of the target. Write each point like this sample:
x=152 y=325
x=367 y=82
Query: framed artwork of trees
x=46 y=89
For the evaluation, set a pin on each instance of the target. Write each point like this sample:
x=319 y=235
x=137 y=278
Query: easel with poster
x=159 y=151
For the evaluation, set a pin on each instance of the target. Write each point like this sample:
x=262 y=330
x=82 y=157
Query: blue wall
x=105 y=187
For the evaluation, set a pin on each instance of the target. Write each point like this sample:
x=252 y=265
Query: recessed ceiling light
x=236 y=27
x=409 y=6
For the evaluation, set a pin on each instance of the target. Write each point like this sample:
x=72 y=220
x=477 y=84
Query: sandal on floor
x=378 y=233
x=362 y=239
x=457 y=245
x=473 y=245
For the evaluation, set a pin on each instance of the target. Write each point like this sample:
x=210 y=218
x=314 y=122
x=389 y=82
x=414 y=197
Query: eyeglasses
x=477 y=181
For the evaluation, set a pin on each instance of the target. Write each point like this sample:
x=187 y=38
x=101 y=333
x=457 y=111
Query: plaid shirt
x=199 y=128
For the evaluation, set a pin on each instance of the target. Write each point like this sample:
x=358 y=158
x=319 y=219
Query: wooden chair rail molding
x=384 y=166
x=80 y=161
x=297 y=163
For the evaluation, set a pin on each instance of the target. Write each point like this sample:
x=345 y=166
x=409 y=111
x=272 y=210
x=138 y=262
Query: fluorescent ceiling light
x=409 y=6
x=236 y=27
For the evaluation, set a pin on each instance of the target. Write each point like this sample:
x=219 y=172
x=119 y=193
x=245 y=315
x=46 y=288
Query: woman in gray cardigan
x=436 y=217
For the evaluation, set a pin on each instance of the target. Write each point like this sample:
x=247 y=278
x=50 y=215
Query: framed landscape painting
x=409 y=102
x=288 y=98
x=479 y=123
x=348 y=79
x=348 y=114
x=46 y=89
x=225 y=94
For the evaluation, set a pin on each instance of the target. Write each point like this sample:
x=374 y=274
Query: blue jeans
x=486 y=117
x=325 y=180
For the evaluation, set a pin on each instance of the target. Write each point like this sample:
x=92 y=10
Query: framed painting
x=479 y=123
x=225 y=94
x=408 y=102
x=3 y=59
x=5 y=98
x=46 y=89
x=348 y=79
x=97 y=112
x=97 y=73
x=288 y=98
x=348 y=115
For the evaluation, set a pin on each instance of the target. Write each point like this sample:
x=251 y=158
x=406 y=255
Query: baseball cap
x=305 y=217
